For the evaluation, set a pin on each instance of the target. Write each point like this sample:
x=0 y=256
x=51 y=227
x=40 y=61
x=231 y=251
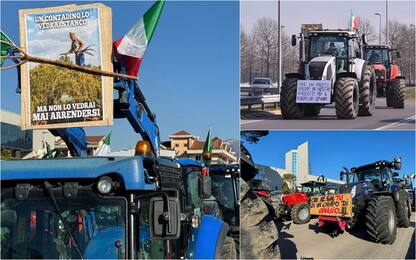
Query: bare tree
x=265 y=42
x=365 y=27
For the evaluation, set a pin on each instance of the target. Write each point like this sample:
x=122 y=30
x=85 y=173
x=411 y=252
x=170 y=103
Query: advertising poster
x=56 y=97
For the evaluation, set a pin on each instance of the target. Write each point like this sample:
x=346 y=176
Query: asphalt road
x=310 y=242
x=383 y=119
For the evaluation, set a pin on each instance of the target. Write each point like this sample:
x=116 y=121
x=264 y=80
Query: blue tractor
x=378 y=202
x=143 y=206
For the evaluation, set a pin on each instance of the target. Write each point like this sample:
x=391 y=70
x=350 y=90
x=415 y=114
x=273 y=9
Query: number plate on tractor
x=313 y=91
x=337 y=205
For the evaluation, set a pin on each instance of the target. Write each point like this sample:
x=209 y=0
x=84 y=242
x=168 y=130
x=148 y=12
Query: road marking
x=396 y=123
x=250 y=121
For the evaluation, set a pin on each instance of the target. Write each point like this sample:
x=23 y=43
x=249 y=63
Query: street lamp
x=387 y=22
x=280 y=55
x=379 y=29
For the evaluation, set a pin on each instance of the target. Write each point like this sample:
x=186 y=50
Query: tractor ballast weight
x=378 y=202
x=329 y=57
x=390 y=82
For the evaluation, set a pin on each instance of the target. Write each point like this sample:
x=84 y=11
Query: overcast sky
x=332 y=14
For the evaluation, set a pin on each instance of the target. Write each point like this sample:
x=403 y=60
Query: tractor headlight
x=105 y=185
x=353 y=191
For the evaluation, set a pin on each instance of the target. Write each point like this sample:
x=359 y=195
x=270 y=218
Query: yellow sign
x=337 y=205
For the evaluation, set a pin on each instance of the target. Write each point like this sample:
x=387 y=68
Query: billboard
x=57 y=97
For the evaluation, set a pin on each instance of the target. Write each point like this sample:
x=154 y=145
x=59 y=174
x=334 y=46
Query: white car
x=262 y=83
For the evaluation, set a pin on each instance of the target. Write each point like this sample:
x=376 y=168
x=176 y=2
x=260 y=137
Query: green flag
x=48 y=151
x=4 y=47
x=207 y=152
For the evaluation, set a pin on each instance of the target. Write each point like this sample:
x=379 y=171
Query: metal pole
x=412 y=37
x=387 y=22
x=279 y=56
x=379 y=30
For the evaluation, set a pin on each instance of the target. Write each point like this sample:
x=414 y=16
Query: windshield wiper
x=48 y=187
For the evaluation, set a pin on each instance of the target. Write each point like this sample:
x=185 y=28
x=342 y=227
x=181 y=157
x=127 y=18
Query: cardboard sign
x=57 y=97
x=339 y=205
x=313 y=91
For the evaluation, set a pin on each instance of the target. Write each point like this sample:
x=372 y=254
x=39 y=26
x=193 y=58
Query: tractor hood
x=321 y=68
x=379 y=67
x=356 y=188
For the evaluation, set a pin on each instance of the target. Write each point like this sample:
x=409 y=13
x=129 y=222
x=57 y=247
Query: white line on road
x=250 y=121
x=396 y=123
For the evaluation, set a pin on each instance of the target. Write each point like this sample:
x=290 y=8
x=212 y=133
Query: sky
x=189 y=74
x=329 y=151
x=332 y=14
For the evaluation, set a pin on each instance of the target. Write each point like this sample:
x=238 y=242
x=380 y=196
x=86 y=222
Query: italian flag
x=353 y=22
x=105 y=147
x=131 y=47
x=207 y=152
x=4 y=46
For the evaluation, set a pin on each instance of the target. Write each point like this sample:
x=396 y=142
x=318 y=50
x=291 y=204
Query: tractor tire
x=258 y=229
x=290 y=109
x=389 y=98
x=229 y=250
x=312 y=110
x=397 y=93
x=300 y=213
x=346 y=98
x=403 y=210
x=368 y=92
x=381 y=220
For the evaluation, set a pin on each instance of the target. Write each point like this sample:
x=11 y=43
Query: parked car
x=262 y=83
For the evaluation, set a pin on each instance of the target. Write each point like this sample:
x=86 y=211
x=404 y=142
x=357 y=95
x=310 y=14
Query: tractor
x=225 y=183
x=295 y=206
x=331 y=70
x=377 y=202
x=390 y=82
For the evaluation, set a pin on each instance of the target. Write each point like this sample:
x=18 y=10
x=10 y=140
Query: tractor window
x=377 y=56
x=328 y=45
x=223 y=191
x=375 y=174
x=32 y=228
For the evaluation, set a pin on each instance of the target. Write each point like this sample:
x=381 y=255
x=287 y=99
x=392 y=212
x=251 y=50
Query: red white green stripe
x=135 y=42
x=353 y=22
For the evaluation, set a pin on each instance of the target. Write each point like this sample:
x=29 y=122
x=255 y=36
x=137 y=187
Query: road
x=308 y=241
x=383 y=119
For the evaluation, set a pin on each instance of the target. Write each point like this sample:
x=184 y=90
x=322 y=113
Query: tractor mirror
x=293 y=40
x=165 y=218
x=364 y=39
x=206 y=187
x=398 y=55
x=397 y=163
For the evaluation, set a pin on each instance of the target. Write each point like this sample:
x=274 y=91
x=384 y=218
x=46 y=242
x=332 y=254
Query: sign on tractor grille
x=337 y=205
x=313 y=91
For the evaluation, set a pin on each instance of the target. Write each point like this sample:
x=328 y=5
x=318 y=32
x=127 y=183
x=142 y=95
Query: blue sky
x=189 y=75
x=329 y=151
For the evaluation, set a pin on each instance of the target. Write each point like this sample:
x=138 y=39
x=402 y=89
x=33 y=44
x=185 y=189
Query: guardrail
x=255 y=91
x=260 y=100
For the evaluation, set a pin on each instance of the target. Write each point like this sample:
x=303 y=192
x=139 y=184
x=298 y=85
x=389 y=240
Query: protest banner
x=339 y=205
x=59 y=97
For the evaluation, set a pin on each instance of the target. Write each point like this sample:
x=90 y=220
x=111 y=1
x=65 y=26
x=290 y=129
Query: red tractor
x=390 y=82
x=296 y=205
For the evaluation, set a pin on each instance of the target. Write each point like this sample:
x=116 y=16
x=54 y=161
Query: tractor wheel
x=346 y=98
x=229 y=250
x=290 y=109
x=368 y=92
x=397 y=93
x=258 y=228
x=389 y=98
x=403 y=211
x=300 y=213
x=312 y=110
x=381 y=220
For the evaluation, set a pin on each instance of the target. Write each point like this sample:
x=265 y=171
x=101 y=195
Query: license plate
x=313 y=91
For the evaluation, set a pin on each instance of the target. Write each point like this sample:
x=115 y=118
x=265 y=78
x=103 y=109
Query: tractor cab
x=380 y=56
x=313 y=188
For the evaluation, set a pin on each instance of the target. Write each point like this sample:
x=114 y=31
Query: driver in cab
x=332 y=49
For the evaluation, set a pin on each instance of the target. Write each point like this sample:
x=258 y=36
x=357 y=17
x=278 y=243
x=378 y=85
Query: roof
x=182 y=132
x=199 y=145
x=95 y=138
x=224 y=169
x=379 y=46
x=333 y=31
x=130 y=169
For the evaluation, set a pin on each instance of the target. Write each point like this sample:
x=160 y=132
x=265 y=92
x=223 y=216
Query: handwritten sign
x=313 y=91
x=339 y=205
x=56 y=97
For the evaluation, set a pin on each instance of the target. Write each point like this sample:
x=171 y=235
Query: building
x=187 y=145
x=94 y=142
x=297 y=164
x=16 y=143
